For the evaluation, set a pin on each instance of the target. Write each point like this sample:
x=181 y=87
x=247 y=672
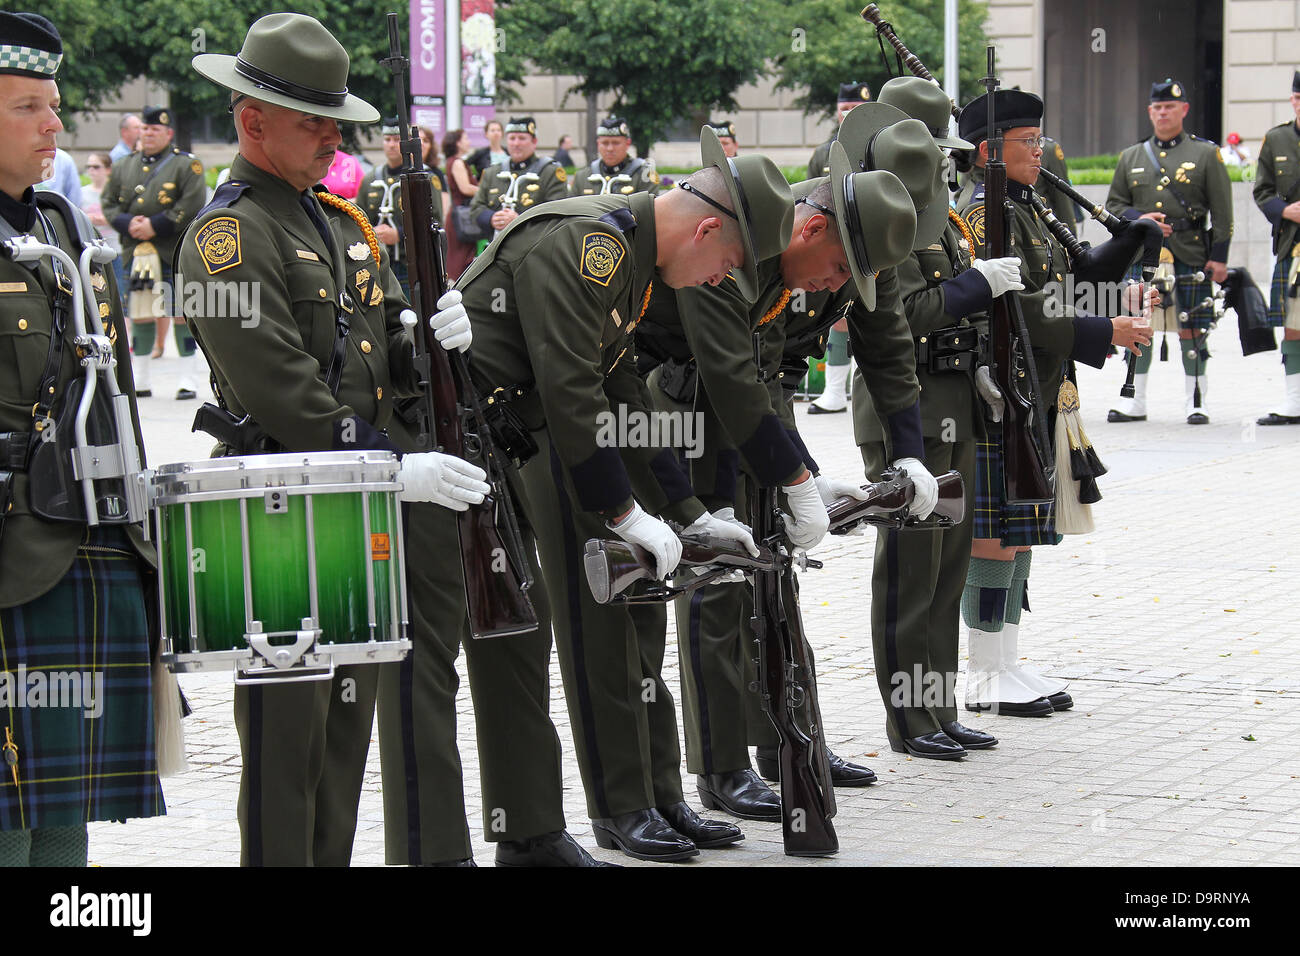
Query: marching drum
x=281 y=566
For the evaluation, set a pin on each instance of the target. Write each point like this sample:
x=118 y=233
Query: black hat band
x=854 y=224
x=275 y=84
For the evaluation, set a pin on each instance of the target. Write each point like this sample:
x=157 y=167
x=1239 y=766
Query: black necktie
x=317 y=220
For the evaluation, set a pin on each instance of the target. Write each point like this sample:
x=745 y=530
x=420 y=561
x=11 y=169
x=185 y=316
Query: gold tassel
x=1072 y=516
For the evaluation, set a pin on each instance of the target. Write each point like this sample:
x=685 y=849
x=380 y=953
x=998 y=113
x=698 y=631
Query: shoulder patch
x=560 y=174
x=218 y=243
x=602 y=254
x=196 y=168
x=1218 y=154
x=1060 y=153
x=975 y=219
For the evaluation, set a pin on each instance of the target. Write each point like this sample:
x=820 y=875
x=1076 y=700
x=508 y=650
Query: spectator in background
x=63 y=178
x=344 y=176
x=128 y=129
x=562 y=151
x=97 y=167
x=429 y=152
x=493 y=153
x=461 y=189
x=1235 y=154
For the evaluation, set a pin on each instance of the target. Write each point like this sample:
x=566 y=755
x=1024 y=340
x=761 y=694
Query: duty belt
x=954 y=349
x=14 y=450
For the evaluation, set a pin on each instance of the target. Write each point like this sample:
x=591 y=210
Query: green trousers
x=623 y=716
x=303 y=747
x=916 y=586
x=509 y=678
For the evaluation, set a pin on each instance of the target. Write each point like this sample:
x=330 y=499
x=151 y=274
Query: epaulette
x=225 y=196
x=978 y=194
x=621 y=219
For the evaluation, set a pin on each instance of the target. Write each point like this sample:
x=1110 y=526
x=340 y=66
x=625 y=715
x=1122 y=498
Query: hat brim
x=841 y=169
x=952 y=142
x=712 y=154
x=220 y=69
x=933 y=219
x=861 y=124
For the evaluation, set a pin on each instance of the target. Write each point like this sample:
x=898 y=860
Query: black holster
x=677 y=380
x=511 y=437
x=242 y=436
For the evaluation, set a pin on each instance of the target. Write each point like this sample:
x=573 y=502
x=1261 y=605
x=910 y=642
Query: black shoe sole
x=855 y=782
x=1019 y=710
x=608 y=840
x=1065 y=704
x=184 y=395
x=902 y=748
x=711 y=801
x=1275 y=419
x=714 y=844
x=1114 y=416
x=147 y=393
x=1198 y=419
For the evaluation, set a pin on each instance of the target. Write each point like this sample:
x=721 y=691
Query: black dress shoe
x=1273 y=418
x=184 y=394
x=556 y=848
x=1042 y=707
x=1198 y=418
x=144 y=393
x=818 y=410
x=468 y=861
x=843 y=773
x=705 y=834
x=935 y=746
x=1060 y=701
x=970 y=739
x=1117 y=416
x=644 y=835
x=740 y=793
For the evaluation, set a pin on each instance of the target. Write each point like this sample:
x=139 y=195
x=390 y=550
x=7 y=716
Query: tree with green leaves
x=827 y=43
x=661 y=60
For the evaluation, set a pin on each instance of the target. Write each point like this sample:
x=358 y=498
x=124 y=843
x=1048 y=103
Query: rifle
x=1030 y=471
x=888 y=501
x=449 y=415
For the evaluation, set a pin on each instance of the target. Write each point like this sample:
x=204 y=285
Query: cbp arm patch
x=218 y=244
x=602 y=254
x=975 y=219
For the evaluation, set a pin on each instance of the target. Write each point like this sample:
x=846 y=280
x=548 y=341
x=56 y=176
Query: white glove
x=653 y=535
x=727 y=528
x=927 y=489
x=408 y=320
x=811 y=521
x=832 y=488
x=1002 y=275
x=450 y=323
x=442 y=479
x=989 y=392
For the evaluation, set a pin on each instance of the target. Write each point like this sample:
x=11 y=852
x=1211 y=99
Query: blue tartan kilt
x=1277 y=293
x=1013 y=525
x=82 y=756
x=1188 y=293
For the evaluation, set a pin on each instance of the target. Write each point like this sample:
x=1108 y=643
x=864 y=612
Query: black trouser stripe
x=406 y=680
x=697 y=668
x=572 y=562
x=891 y=627
x=255 y=776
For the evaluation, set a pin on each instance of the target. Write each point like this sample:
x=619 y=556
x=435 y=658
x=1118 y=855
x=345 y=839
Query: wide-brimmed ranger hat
x=879 y=136
x=876 y=220
x=926 y=101
x=762 y=202
x=290 y=60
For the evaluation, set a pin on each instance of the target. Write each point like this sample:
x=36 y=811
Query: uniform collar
x=1019 y=192
x=392 y=172
x=524 y=166
x=645 y=249
x=150 y=160
x=19 y=213
x=614 y=170
x=1169 y=143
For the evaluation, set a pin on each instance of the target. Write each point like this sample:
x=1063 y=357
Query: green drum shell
x=275 y=490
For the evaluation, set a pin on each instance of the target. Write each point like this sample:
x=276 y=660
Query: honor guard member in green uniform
x=1176 y=178
x=511 y=189
x=1003 y=533
x=72 y=595
x=150 y=198
x=851 y=95
x=1277 y=193
x=381 y=200
x=725 y=130
x=614 y=171
x=318 y=370
x=553 y=300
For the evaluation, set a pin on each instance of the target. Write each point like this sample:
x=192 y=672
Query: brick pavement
x=1175 y=622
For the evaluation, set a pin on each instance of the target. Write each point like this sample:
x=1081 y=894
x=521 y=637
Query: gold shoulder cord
x=964 y=229
x=777 y=309
x=357 y=216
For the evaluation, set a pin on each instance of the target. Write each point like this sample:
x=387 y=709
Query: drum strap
x=47 y=389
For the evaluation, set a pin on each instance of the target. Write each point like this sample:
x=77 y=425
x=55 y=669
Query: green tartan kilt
x=1013 y=525
x=82 y=757
x=1277 y=292
x=1188 y=294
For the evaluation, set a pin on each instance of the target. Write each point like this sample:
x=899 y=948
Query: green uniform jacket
x=34 y=553
x=257 y=234
x=1060 y=204
x=590 y=180
x=553 y=299
x=939 y=291
x=1277 y=183
x=1056 y=331
x=552 y=183
x=1192 y=166
x=820 y=164
x=169 y=188
x=384 y=189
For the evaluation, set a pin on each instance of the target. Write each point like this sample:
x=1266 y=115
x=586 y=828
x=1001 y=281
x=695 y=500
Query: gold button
x=1160 y=189
x=1044 y=266
x=324 y=294
x=811 y=313
x=1160 y=205
x=1162 y=154
x=22 y=323
x=365 y=347
x=1058 y=277
x=936 y=273
x=379 y=394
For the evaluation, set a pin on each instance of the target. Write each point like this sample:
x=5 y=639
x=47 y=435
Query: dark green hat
x=290 y=60
x=522 y=124
x=392 y=126
x=29 y=46
x=156 y=116
x=876 y=220
x=855 y=92
x=613 y=126
x=761 y=199
x=1012 y=109
x=1168 y=91
x=1295 y=82
x=879 y=136
x=926 y=101
x=723 y=128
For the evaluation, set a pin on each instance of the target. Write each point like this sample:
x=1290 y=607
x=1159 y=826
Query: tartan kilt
x=1187 y=293
x=1277 y=290
x=75 y=768
x=1013 y=525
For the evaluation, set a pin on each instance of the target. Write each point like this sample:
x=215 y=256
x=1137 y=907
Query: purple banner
x=428 y=37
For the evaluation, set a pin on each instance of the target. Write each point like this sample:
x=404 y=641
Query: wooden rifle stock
x=496 y=570
x=887 y=502
x=613 y=566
